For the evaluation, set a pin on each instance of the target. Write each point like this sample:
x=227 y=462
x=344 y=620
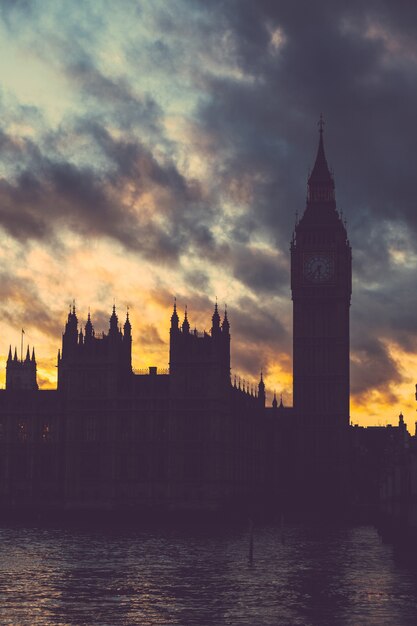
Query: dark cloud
x=47 y=195
x=113 y=95
x=265 y=126
x=15 y=294
x=198 y=280
x=261 y=271
x=10 y=9
x=374 y=369
x=149 y=336
x=259 y=323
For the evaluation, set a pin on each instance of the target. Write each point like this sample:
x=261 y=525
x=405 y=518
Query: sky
x=154 y=149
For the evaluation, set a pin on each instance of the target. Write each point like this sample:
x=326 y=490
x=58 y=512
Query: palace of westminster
x=190 y=439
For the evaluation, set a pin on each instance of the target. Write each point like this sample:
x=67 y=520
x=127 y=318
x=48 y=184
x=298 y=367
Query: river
x=306 y=575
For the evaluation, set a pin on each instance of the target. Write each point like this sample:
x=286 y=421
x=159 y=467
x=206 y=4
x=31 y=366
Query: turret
x=261 y=391
x=174 y=318
x=127 y=328
x=401 y=423
x=225 y=323
x=114 y=322
x=88 y=330
x=199 y=361
x=215 y=325
x=21 y=374
x=95 y=364
x=185 y=324
x=70 y=336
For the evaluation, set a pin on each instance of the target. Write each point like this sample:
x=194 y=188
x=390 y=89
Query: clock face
x=318 y=268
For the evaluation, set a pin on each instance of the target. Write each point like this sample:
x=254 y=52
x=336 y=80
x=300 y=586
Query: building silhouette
x=321 y=284
x=190 y=438
x=108 y=438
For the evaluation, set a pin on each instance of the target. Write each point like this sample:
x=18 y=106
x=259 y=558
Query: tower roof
x=186 y=323
x=88 y=326
x=321 y=172
x=321 y=212
x=216 y=312
x=225 y=322
x=174 y=316
x=127 y=326
x=215 y=318
x=114 y=320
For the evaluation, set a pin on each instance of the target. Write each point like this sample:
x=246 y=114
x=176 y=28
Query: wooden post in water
x=251 y=541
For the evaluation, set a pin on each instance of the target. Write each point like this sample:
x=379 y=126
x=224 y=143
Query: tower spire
x=114 y=321
x=320 y=181
x=174 y=317
x=261 y=390
x=320 y=171
x=88 y=326
x=225 y=322
x=127 y=328
x=215 y=320
x=186 y=323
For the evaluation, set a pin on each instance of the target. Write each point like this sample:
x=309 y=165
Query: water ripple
x=318 y=576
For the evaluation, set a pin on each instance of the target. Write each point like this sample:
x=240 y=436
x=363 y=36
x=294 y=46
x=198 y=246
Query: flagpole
x=21 y=347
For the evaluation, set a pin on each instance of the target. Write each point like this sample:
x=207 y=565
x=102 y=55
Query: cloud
x=15 y=295
x=185 y=139
x=124 y=203
x=373 y=368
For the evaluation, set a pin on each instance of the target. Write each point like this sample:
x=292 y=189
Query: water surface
x=310 y=576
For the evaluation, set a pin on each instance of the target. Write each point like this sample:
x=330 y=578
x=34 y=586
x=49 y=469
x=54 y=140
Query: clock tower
x=321 y=284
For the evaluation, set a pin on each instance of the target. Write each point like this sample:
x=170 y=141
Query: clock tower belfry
x=321 y=284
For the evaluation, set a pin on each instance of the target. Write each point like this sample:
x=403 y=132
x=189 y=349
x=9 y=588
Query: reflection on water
x=334 y=577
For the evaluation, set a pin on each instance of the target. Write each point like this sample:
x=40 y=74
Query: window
x=46 y=433
x=22 y=430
